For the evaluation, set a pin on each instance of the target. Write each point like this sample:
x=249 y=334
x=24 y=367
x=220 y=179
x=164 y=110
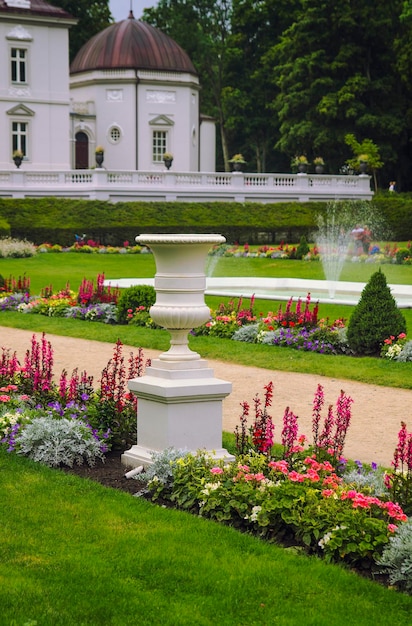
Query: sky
x=120 y=8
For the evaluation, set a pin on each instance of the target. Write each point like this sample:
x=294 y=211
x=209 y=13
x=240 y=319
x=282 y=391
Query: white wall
x=45 y=94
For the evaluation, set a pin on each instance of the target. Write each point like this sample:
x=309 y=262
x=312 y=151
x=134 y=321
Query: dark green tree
x=252 y=125
x=375 y=318
x=336 y=71
x=93 y=15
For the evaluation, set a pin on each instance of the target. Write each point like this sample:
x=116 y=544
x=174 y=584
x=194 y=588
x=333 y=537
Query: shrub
x=374 y=318
x=401 y=255
x=303 y=248
x=132 y=298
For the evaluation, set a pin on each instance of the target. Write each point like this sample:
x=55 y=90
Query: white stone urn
x=180 y=283
x=179 y=399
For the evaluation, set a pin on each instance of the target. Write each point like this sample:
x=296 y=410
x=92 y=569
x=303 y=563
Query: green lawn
x=57 y=269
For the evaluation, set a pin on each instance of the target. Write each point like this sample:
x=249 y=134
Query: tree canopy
x=285 y=77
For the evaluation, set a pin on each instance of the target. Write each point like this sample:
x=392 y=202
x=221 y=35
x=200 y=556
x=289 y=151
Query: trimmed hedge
x=57 y=220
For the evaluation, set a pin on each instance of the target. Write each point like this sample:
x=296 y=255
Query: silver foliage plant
x=372 y=480
x=406 y=353
x=55 y=442
x=161 y=470
x=397 y=557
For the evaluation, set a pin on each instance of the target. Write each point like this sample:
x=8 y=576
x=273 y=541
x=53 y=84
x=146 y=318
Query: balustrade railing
x=116 y=186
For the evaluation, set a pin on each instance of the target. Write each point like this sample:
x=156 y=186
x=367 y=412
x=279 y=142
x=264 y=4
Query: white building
x=34 y=84
x=131 y=90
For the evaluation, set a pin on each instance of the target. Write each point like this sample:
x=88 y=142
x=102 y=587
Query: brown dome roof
x=132 y=44
x=37 y=7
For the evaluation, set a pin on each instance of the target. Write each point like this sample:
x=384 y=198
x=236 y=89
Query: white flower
x=209 y=487
x=254 y=515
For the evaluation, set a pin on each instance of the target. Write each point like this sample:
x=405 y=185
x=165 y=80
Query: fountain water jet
x=333 y=239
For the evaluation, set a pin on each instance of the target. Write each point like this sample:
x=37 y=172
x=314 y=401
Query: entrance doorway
x=82 y=151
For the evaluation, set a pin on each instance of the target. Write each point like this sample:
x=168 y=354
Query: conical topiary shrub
x=375 y=318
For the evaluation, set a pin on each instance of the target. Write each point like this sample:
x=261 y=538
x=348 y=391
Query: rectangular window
x=159 y=145
x=18 y=65
x=19 y=136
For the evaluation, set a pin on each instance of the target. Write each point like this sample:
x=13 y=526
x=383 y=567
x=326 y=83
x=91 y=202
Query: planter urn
x=99 y=156
x=179 y=398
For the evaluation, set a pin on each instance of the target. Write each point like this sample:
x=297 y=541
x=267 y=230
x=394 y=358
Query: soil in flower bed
x=110 y=473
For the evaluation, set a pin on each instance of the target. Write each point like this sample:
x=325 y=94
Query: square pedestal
x=179 y=406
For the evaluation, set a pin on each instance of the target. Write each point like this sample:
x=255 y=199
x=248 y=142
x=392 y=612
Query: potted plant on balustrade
x=18 y=157
x=366 y=157
x=319 y=164
x=99 y=156
x=168 y=159
x=237 y=161
x=300 y=164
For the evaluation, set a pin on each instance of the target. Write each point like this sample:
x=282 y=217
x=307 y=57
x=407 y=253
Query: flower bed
x=309 y=497
x=298 y=326
x=377 y=254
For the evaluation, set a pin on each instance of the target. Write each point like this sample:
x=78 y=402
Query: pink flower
x=4 y=398
x=392 y=528
x=296 y=477
x=279 y=466
x=216 y=470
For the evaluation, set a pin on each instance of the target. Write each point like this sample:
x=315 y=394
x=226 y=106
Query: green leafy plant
x=365 y=151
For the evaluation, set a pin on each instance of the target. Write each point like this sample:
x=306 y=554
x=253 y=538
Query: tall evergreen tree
x=375 y=318
x=252 y=125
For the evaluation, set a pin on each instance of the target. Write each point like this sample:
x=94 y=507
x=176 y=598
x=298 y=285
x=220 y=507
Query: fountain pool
x=284 y=288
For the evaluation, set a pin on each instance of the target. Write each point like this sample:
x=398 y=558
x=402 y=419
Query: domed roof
x=132 y=44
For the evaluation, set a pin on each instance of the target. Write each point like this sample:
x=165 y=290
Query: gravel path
x=376 y=411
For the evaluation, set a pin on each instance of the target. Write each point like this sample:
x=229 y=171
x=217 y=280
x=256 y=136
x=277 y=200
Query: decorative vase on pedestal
x=180 y=283
x=180 y=400
x=237 y=167
x=363 y=167
x=17 y=161
x=168 y=163
x=302 y=168
x=99 y=159
x=319 y=169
